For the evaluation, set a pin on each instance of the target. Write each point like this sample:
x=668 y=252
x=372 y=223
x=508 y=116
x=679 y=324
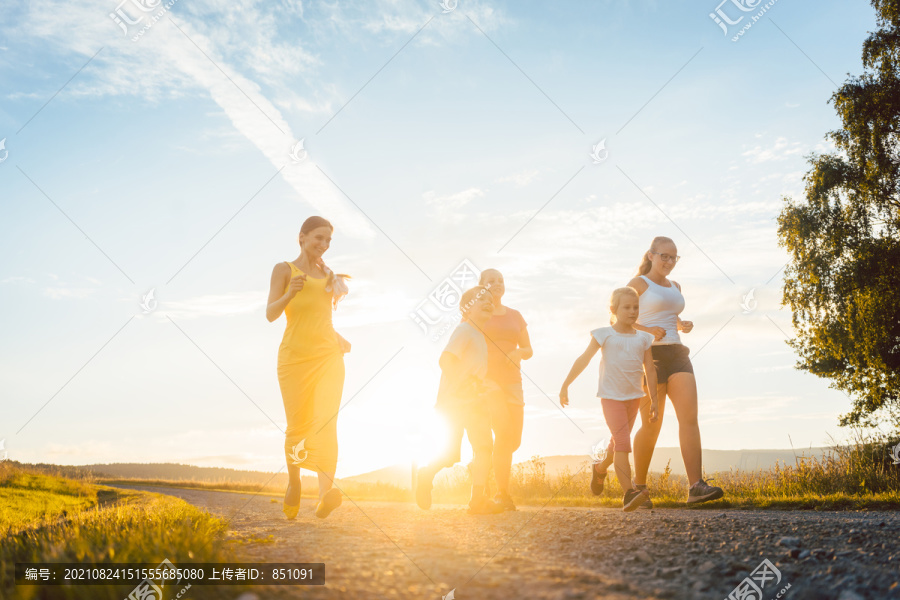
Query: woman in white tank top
x=661 y=302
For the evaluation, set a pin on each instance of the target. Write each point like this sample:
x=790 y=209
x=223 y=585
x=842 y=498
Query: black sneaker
x=423 y=490
x=703 y=492
x=634 y=498
x=596 y=480
x=505 y=501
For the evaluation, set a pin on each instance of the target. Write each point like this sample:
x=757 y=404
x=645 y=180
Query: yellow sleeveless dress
x=311 y=376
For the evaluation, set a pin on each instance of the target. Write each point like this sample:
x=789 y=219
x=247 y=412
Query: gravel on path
x=396 y=550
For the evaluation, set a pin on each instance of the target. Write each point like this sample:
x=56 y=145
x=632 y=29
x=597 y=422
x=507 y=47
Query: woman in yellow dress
x=310 y=364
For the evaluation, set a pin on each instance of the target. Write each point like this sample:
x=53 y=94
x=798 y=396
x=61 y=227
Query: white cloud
x=520 y=178
x=449 y=207
x=780 y=150
x=166 y=62
x=58 y=293
x=408 y=16
x=214 y=305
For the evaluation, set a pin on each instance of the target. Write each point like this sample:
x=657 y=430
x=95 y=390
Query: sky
x=176 y=147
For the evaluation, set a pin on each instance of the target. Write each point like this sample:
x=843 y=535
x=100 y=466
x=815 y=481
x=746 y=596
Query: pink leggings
x=620 y=416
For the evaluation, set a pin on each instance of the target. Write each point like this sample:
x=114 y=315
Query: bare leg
x=481 y=465
x=502 y=466
x=623 y=470
x=325 y=480
x=508 y=439
x=604 y=465
x=683 y=392
x=292 y=494
x=646 y=436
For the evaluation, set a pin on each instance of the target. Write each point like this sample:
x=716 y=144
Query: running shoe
x=505 y=501
x=703 y=492
x=634 y=498
x=597 y=480
x=483 y=506
x=649 y=502
x=330 y=501
x=290 y=510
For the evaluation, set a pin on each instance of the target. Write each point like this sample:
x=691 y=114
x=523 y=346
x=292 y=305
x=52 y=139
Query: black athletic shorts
x=670 y=359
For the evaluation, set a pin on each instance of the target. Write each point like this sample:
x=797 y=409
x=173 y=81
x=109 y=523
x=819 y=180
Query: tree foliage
x=843 y=279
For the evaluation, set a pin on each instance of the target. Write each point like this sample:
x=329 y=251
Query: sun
x=410 y=431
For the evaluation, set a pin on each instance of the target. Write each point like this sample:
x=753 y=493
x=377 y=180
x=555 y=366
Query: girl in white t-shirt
x=626 y=358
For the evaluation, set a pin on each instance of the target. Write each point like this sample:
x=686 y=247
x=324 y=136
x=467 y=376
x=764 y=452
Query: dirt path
x=395 y=550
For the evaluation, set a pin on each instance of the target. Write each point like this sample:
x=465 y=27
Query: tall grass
x=855 y=475
x=118 y=526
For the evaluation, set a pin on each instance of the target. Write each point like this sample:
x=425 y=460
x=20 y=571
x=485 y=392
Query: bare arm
x=278 y=297
x=650 y=372
x=578 y=367
x=684 y=326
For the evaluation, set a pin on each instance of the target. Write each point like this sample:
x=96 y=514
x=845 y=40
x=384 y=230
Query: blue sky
x=164 y=163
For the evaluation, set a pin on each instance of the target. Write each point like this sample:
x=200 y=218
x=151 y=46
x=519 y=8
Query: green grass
x=100 y=525
x=29 y=499
x=856 y=476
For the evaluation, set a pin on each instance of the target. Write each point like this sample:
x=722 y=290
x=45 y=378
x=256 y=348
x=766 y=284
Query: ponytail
x=645 y=265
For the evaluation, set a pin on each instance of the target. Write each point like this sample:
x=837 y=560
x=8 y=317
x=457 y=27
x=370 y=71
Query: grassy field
x=28 y=498
x=855 y=476
x=53 y=519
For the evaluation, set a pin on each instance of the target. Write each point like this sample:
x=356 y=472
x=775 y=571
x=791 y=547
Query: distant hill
x=400 y=475
x=713 y=460
x=176 y=472
x=183 y=472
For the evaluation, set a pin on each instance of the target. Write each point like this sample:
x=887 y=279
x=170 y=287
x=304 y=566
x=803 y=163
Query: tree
x=843 y=280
